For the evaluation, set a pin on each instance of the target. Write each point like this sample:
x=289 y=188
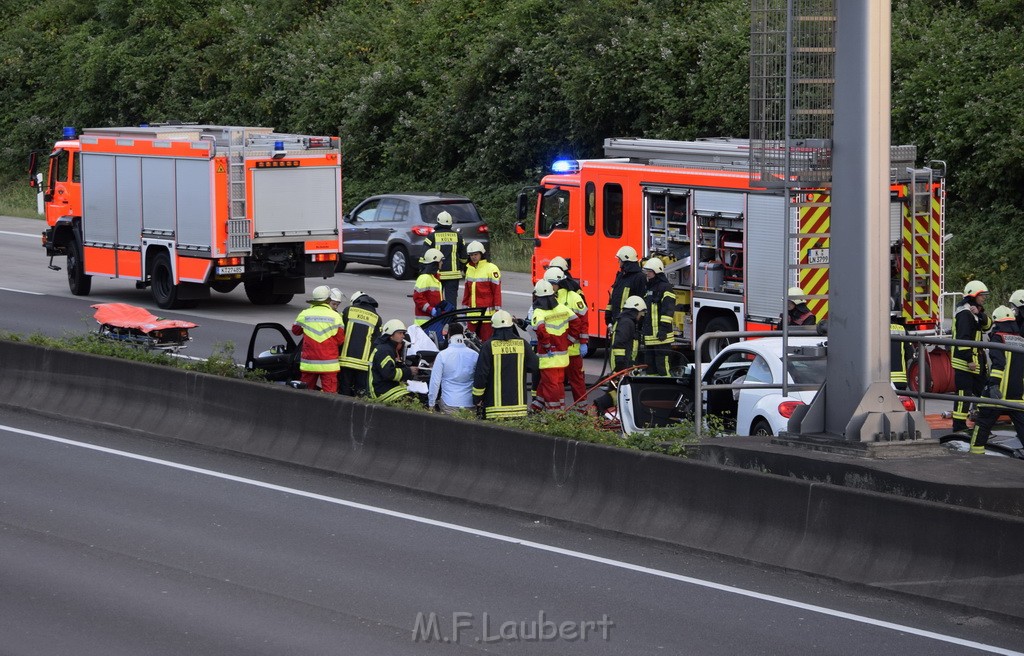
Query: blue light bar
x=69 y=132
x=565 y=166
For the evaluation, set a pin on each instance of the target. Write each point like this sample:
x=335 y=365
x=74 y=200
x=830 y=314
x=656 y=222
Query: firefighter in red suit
x=551 y=323
x=322 y=337
x=483 y=289
x=427 y=294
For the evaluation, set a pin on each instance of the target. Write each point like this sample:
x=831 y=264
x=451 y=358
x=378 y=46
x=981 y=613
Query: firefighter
x=578 y=339
x=626 y=336
x=1017 y=303
x=799 y=313
x=551 y=323
x=449 y=241
x=499 y=379
x=362 y=326
x=657 y=326
x=969 y=370
x=388 y=371
x=427 y=295
x=336 y=298
x=570 y=283
x=322 y=337
x=898 y=357
x=629 y=281
x=483 y=289
x=1005 y=380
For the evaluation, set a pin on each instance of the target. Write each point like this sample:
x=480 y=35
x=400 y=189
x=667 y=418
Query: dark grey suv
x=389 y=229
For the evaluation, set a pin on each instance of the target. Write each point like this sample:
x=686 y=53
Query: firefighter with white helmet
x=570 y=283
x=322 y=336
x=482 y=289
x=551 y=323
x=427 y=296
x=336 y=298
x=362 y=327
x=449 y=241
x=1017 y=304
x=578 y=328
x=388 y=370
x=627 y=334
x=1005 y=380
x=799 y=313
x=657 y=325
x=970 y=374
x=629 y=281
x=499 y=380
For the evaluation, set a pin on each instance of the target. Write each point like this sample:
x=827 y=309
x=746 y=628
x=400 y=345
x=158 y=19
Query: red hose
x=940 y=372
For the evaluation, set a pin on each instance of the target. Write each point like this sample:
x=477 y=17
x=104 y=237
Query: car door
x=748 y=400
x=728 y=367
x=357 y=229
x=390 y=216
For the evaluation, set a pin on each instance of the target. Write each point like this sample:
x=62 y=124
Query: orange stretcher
x=136 y=326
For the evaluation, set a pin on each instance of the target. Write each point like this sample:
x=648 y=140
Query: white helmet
x=543 y=288
x=560 y=262
x=1017 y=298
x=974 y=288
x=626 y=254
x=444 y=218
x=635 y=303
x=336 y=295
x=795 y=293
x=356 y=295
x=655 y=264
x=320 y=294
x=501 y=319
x=1003 y=313
x=431 y=255
x=554 y=275
x=393 y=326
x=475 y=247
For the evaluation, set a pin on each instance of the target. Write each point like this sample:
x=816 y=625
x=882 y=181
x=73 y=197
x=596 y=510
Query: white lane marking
x=21 y=291
x=528 y=544
x=19 y=234
x=505 y=291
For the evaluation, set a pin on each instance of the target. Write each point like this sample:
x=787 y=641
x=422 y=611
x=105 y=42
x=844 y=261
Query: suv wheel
x=398 y=262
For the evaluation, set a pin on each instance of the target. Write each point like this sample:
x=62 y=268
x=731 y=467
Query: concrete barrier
x=930 y=549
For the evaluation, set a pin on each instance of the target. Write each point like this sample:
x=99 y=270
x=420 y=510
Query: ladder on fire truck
x=239 y=240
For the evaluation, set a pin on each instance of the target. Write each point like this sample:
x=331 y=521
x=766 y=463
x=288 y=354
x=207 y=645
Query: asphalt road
x=37 y=300
x=115 y=544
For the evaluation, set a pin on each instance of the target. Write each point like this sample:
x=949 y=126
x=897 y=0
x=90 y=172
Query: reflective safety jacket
x=362 y=327
x=449 y=242
x=322 y=337
x=629 y=281
x=971 y=327
x=483 y=286
x=661 y=308
x=579 y=324
x=1007 y=367
x=897 y=355
x=552 y=327
x=625 y=341
x=499 y=379
x=388 y=372
x=426 y=295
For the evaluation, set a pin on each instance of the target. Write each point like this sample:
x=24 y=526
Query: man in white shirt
x=452 y=374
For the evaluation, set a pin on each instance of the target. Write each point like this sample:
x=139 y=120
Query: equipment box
x=710 y=276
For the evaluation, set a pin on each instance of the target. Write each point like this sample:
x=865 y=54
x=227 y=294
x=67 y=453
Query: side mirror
x=520 y=228
x=521 y=207
x=33 y=168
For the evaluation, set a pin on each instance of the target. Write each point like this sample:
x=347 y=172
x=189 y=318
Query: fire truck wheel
x=713 y=346
x=224 y=286
x=261 y=292
x=283 y=299
x=165 y=292
x=398 y=262
x=79 y=283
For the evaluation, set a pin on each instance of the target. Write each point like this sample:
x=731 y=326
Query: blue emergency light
x=565 y=166
x=279 y=150
x=69 y=132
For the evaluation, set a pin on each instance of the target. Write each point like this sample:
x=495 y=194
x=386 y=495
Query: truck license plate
x=817 y=256
x=227 y=270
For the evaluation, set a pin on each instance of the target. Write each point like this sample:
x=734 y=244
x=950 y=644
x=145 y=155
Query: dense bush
x=475 y=96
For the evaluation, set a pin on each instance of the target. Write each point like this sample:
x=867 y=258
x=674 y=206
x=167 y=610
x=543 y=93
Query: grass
x=17 y=199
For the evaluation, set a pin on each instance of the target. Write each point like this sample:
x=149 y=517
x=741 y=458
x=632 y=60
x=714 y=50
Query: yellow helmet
x=655 y=264
x=974 y=288
x=543 y=288
x=431 y=255
x=444 y=218
x=1003 y=313
x=626 y=254
x=635 y=303
x=501 y=319
x=393 y=326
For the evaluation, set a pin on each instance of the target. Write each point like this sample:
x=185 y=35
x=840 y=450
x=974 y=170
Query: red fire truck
x=184 y=209
x=724 y=239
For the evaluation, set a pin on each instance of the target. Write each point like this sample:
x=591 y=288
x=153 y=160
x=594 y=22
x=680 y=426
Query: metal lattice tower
x=792 y=80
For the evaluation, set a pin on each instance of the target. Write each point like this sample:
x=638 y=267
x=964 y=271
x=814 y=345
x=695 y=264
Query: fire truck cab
x=724 y=240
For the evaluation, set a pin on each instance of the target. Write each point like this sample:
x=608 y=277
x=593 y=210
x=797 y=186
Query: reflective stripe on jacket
x=580 y=322
x=661 y=306
x=449 y=242
x=499 y=379
x=322 y=336
x=362 y=326
x=552 y=327
x=970 y=327
x=483 y=286
x=387 y=373
x=426 y=295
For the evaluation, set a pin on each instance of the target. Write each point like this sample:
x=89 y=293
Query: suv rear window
x=462 y=212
